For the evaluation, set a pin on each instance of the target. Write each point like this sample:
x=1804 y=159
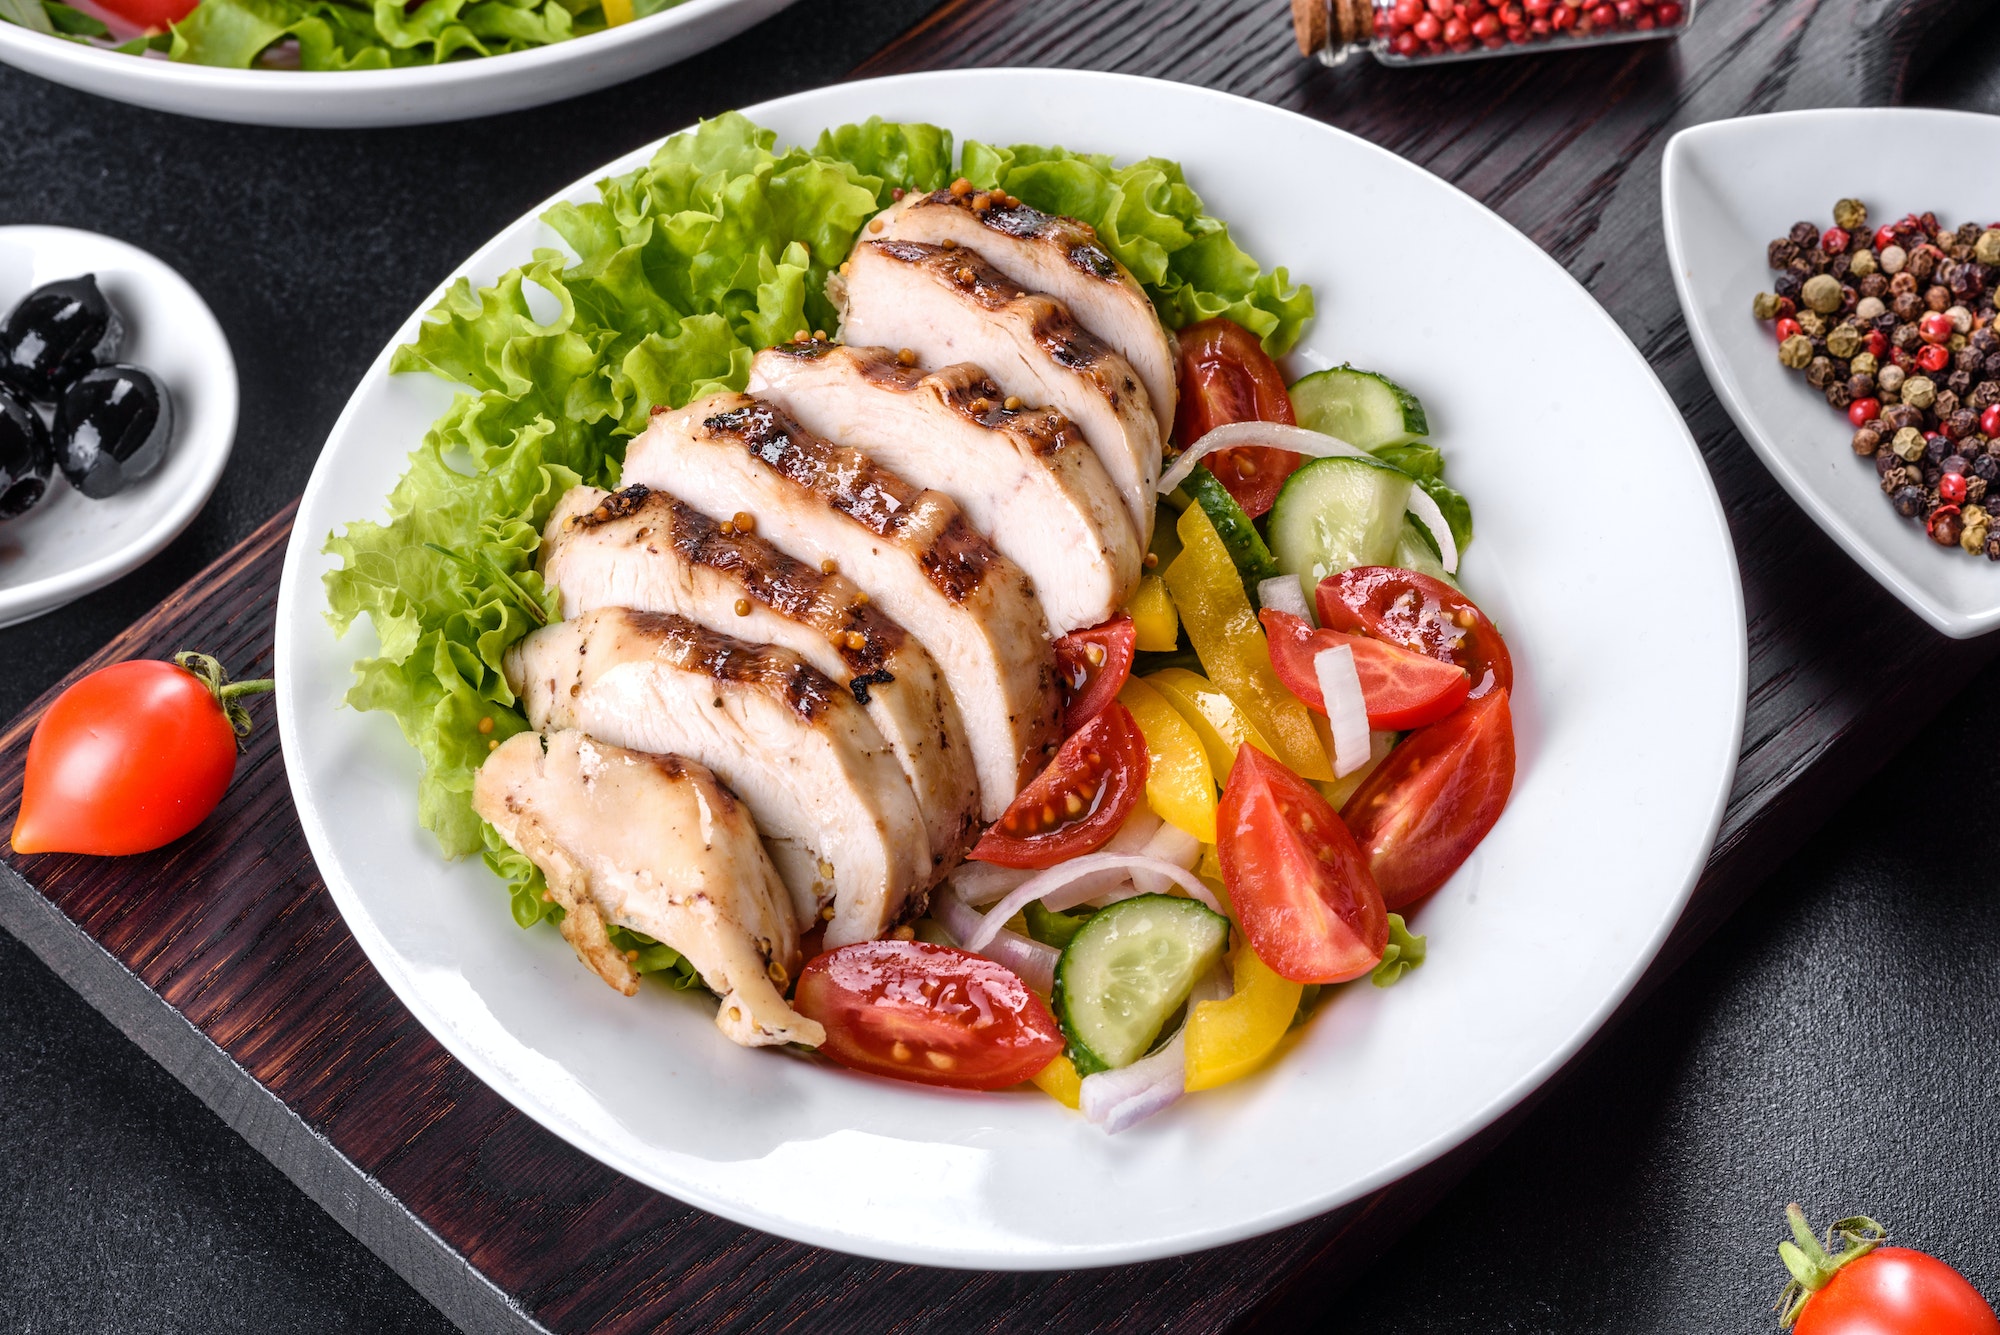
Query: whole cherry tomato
x=132 y=757
x=1298 y=882
x=1401 y=689
x=1433 y=798
x=1868 y=1289
x=1226 y=377
x=1419 y=613
x=1075 y=805
x=1093 y=664
x=928 y=1013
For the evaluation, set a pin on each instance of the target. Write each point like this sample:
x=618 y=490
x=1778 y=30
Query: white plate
x=1628 y=642
x=418 y=95
x=69 y=545
x=1731 y=186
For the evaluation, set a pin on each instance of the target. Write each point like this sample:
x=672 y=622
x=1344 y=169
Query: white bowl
x=69 y=545
x=418 y=95
x=1730 y=187
x=1628 y=706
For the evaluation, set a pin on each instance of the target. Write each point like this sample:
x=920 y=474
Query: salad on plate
x=891 y=586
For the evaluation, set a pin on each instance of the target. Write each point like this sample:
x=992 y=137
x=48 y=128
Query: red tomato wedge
x=1419 y=613
x=1078 y=802
x=1297 y=880
x=932 y=1014
x=1403 y=690
x=1093 y=664
x=1434 y=798
x=149 y=15
x=1226 y=377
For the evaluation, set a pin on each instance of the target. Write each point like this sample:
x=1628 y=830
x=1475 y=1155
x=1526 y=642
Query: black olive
x=55 y=334
x=26 y=457
x=112 y=428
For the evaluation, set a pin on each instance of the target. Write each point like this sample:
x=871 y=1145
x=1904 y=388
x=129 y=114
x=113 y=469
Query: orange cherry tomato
x=1297 y=880
x=1075 y=805
x=1402 y=689
x=916 y=1011
x=1226 y=377
x=130 y=758
x=1093 y=664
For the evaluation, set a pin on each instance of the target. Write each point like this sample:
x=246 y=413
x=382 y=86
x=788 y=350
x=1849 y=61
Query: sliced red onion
x=1346 y=707
x=1426 y=510
x=1121 y=1099
x=1033 y=961
x=984 y=882
x=1043 y=887
x=1285 y=593
x=1270 y=435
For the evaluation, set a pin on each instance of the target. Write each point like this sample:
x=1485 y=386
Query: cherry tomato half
x=932 y=1014
x=128 y=759
x=1078 y=802
x=1403 y=690
x=1896 y=1291
x=1093 y=664
x=1433 y=798
x=150 y=15
x=1419 y=613
x=1226 y=377
x=1297 y=880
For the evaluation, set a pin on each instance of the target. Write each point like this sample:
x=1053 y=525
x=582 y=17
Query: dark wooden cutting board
x=224 y=957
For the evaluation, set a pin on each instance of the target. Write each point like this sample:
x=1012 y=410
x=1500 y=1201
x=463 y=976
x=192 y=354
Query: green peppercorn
x=1862 y=263
x=1796 y=352
x=1843 y=340
x=1850 y=215
x=1822 y=293
x=1987 y=248
x=1908 y=444
x=1973 y=537
x=1863 y=364
x=1919 y=392
x=1813 y=323
x=1764 y=305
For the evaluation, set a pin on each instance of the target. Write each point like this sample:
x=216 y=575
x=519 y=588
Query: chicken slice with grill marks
x=911 y=551
x=822 y=785
x=952 y=306
x=1023 y=476
x=656 y=845
x=1044 y=252
x=650 y=550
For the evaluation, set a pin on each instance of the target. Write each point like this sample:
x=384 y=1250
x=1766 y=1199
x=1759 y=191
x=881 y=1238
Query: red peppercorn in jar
x=1412 y=32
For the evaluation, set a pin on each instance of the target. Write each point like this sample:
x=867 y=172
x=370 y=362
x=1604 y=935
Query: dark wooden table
x=225 y=959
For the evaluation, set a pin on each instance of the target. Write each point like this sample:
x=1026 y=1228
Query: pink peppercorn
x=1863 y=411
x=1989 y=421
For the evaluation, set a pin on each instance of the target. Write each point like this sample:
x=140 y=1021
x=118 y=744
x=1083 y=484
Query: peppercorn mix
x=1896 y=327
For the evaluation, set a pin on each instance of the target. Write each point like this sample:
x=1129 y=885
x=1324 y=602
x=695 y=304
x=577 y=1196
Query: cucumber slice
x=1366 y=410
x=1127 y=970
x=1239 y=535
x=1337 y=513
x=1415 y=551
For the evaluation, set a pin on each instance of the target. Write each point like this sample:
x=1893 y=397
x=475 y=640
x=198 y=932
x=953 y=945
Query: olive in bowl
x=55 y=334
x=26 y=457
x=112 y=428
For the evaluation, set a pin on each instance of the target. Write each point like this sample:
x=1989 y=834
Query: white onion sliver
x=1118 y=1100
x=1063 y=874
x=1426 y=510
x=1270 y=435
x=1285 y=593
x=1170 y=844
x=984 y=882
x=1346 y=707
x=1031 y=959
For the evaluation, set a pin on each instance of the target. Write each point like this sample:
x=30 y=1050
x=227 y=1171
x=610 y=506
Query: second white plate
x=1628 y=725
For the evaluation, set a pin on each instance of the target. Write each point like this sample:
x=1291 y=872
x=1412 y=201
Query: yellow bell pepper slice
x=1153 y=616
x=617 y=12
x=1215 y=718
x=1180 y=786
x=1208 y=593
x=1231 y=1038
x=1060 y=1081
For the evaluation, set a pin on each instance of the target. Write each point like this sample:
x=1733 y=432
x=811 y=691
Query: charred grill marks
x=724 y=658
x=1031 y=224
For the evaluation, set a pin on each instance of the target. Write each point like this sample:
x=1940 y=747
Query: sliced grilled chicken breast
x=650 y=550
x=950 y=305
x=910 y=550
x=1058 y=256
x=822 y=785
x=1024 y=476
x=654 y=844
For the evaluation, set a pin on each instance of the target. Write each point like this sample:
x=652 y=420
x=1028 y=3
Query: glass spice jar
x=1426 y=32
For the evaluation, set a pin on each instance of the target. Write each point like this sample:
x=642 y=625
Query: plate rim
x=1736 y=400
x=21 y=603
x=302 y=548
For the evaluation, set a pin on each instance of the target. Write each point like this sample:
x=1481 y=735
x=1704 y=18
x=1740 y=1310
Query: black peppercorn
x=1819 y=372
x=1968 y=359
x=1839 y=265
x=1817 y=258
x=1903 y=282
x=1907 y=306
x=1958 y=384
x=1908 y=500
x=1993 y=366
x=1899 y=415
x=1936 y=448
x=1984 y=340
x=1937 y=297
x=1861 y=385
x=1961 y=424
x=1874 y=285
x=1984 y=395
x=1993 y=547
x=1967 y=233
x=1837 y=394
x=1986 y=466
x=1923 y=263
x=1967 y=279
x=1944 y=405
x=1782 y=252
x=1885 y=458
x=1805 y=234
x=1788 y=284
x=1953 y=463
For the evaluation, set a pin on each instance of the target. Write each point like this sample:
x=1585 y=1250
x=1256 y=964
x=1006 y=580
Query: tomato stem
x=1811 y=1264
x=225 y=692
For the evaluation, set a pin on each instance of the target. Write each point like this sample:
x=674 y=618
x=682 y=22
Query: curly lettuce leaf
x=347 y=35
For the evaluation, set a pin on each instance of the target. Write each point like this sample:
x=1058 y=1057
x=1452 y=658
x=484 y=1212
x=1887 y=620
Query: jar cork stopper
x=1345 y=21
